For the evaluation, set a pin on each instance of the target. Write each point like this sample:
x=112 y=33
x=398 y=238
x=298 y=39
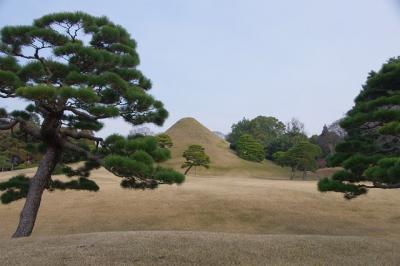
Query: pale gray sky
x=222 y=60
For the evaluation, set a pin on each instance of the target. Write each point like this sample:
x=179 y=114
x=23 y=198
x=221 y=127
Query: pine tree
x=164 y=140
x=370 y=153
x=195 y=156
x=250 y=149
x=77 y=70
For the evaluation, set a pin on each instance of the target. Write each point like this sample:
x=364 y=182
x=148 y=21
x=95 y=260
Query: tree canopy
x=164 y=140
x=263 y=129
x=195 y=156
x=370 y=152
x=250 y=149
x=77 y=70
x=301 y=156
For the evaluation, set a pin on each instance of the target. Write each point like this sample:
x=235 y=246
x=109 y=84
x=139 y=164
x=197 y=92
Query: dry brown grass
x=198 y=248
x=288 y=221
x=219 y=204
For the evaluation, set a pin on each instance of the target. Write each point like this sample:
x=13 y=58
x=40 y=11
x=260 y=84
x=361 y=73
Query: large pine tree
x=76 y=70
x=370 y=154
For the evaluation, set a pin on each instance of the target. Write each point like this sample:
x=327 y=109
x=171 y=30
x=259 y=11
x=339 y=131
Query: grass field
x=199 y=248
x=262 y=220
x=236 y=213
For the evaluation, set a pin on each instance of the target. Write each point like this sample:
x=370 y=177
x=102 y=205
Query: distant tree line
x=286 y=144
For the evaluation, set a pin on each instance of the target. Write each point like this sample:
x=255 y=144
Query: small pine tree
x=195 y=156
x=164 y=140
x=249 y=149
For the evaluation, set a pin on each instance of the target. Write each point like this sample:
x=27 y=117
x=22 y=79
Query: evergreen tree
x=370 y=153
x=250 y=149
x=302 y=156
x=76 y=70
x=195 y=156
x=164 y=140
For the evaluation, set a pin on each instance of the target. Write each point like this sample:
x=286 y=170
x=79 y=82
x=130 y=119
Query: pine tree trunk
x=37 y=185
x=292 y=174
x=187 y=170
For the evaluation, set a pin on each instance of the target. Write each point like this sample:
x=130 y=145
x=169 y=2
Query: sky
x=221 y=60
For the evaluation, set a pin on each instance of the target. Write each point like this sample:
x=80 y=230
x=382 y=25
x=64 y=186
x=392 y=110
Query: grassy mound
x=189 y=131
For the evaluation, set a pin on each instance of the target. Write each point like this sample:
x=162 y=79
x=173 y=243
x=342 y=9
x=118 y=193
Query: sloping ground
x=214 y=204
x=198 y=248
x=189 y=131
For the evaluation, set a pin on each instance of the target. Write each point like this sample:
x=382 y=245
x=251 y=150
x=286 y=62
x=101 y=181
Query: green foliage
x=387 y=170
x=371 y=149
x=13 y=146
x=15 y=188
x=283 y=143
x=350 y=190
x=99 y=76
x=271 y=133
x=134 y=157
x=4 y=161
x=164 y=140
x=80 y=184
x=195 y=156
x=75 y=70
x=263 y=129
x=168 y=176
x=250 y=149
x=301 y=156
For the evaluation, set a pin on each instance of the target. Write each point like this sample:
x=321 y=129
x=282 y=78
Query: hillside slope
x=189 y=131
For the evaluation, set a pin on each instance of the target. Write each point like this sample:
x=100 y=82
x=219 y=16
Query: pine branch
x=68 y=145
x=83 y=114
x=385 y=186
x=80 y=135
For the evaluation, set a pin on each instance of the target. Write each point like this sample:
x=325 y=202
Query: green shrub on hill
x=250 y=149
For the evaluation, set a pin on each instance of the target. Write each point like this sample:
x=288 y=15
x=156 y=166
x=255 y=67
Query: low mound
x=189 y=131
x=198 y=248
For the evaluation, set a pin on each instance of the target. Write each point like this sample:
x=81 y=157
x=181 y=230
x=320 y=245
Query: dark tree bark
x=36 y=188
x=187 y=170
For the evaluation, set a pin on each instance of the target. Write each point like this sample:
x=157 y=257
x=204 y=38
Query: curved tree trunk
x=187 y=170
x=37 y=185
